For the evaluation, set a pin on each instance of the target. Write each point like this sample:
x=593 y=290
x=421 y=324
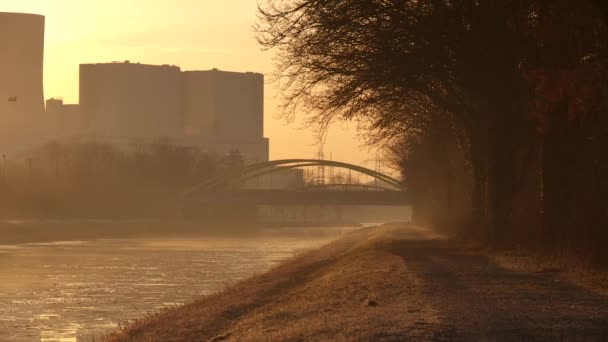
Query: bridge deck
x=299 y=197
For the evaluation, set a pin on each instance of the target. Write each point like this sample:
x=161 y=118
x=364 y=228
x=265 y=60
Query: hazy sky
x=193 y=34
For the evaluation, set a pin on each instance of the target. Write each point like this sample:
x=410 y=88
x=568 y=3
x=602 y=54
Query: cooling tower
x=21 y=67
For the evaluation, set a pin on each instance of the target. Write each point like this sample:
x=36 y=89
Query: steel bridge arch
x=273 y=166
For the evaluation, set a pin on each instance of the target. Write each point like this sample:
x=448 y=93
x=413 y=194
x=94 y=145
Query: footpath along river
x=70 y=291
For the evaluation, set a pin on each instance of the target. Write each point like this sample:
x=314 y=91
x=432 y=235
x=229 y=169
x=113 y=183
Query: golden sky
x=192 y=34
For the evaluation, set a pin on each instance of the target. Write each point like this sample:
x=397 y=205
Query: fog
x=137 y=164
x=279 y=170
x=92 y=234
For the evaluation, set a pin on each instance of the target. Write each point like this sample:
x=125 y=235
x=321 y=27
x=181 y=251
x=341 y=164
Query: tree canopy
x=505 y=80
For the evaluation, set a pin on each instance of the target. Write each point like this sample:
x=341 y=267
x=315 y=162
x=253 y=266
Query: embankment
x=389 y=283
x=41 y=231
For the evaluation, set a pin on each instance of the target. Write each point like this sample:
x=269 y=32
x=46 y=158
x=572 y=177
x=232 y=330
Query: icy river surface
x=72 y=291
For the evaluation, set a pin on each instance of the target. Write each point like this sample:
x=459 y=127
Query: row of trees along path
x=494 y=110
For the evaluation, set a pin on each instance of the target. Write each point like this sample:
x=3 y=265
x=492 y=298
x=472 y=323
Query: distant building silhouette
x=224 y=105
x=226 y=111
x=215 y=110
x=126 y=102
x=131 y=99
x=64 y=120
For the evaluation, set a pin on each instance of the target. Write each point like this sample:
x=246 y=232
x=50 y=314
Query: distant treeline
x=496 y=112
x=97 y=180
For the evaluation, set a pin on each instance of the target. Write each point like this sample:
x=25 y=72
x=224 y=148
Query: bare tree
x=482 y=68
x=399 y=65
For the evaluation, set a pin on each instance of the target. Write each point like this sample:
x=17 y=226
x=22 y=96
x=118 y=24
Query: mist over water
x=77 y=290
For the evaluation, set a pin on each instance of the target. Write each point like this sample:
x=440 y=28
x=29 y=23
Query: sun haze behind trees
x=495 y=111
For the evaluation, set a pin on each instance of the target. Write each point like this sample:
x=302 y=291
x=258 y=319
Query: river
x=70 y=291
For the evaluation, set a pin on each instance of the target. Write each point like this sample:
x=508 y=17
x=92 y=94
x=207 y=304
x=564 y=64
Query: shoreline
x=392 y=283
x=17 y=232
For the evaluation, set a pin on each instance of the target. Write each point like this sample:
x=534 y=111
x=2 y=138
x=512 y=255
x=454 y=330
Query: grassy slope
x=347 y=289
x=390 y=283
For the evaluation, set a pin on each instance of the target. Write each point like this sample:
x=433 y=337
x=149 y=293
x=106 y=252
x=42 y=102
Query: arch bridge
x=230 y=188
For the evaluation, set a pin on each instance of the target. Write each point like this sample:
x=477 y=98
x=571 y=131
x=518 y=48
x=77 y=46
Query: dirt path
x=394 y=283
x=479 y=300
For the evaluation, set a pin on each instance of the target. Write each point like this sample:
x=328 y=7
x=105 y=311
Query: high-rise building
x=225 y=111
x=225 y=106
x=21 y=74
x=131 y=99
x=215 y=110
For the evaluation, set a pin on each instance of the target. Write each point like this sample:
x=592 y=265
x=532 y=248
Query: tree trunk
x=556 y=164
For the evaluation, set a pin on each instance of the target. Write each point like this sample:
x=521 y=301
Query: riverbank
x=390 y=283
x=40 y=231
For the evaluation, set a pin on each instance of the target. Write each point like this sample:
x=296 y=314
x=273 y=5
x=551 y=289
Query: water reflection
x=77 y=290
x=67 y=334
